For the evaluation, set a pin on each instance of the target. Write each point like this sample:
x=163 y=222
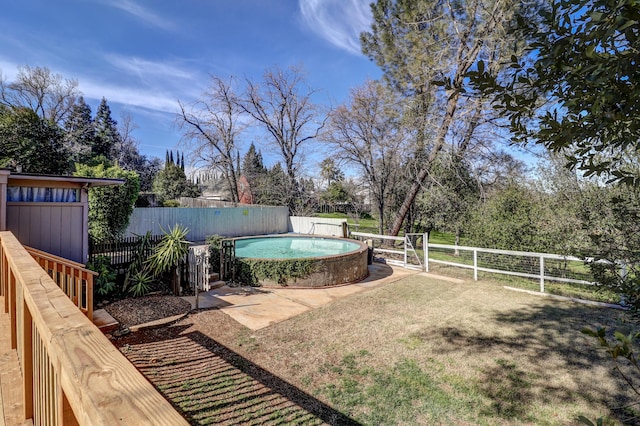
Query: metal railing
x=121 y=252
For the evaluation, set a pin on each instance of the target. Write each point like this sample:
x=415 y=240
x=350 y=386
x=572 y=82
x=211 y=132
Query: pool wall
x=328 y=271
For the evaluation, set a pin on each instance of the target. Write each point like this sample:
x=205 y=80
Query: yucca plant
x=169 y=252
x=140 y=282
x=144 y=247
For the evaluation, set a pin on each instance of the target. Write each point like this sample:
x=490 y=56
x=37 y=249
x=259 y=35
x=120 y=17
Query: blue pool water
x=292 y=247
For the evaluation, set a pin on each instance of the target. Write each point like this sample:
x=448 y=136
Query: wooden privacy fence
x=73 y=278
x=71 y=373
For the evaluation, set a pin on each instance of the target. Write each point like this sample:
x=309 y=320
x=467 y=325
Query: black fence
x=121 y=252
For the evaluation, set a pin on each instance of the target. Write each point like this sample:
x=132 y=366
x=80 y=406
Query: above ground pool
x=334 y=261
x=292 y=247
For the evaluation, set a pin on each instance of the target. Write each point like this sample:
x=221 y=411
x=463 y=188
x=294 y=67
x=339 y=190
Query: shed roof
x=88 y=181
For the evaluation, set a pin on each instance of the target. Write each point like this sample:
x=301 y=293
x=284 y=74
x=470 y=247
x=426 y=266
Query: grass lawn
x=359 y=225
x=421 y=351
x=416 y=351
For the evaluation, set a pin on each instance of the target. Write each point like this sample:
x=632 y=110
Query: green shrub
x=105 y=283
x=253 y=271
x=171 y=203
x=138 y=278
x=215 y=245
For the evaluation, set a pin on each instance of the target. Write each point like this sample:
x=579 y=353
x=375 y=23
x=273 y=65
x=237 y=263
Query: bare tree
x=212 y=127
x=283 y=107
x=49 y=95
x=366 y=133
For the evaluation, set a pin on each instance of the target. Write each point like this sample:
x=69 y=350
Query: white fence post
x=541 y=274
x=425 y=249
x=406 y=238
x=475 y=264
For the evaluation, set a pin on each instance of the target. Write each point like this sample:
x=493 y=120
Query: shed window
x=42 y=195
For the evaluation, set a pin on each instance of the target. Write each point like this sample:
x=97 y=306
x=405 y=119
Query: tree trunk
x=465 y=57
x=452 y=103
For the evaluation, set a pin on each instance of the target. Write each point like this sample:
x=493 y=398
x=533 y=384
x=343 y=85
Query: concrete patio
x=256 y=307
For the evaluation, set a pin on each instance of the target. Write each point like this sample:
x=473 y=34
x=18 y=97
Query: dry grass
x=417 y=351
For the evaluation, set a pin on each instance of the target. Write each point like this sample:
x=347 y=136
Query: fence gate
x=199 y=267
x=227 y=260
x=410 y=252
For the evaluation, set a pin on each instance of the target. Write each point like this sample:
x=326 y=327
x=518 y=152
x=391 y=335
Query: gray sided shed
x=49 y=213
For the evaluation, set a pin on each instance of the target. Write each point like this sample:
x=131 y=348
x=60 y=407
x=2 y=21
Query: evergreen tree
x=79 y=134
x=425 y=49
x=273 y=187
x=106 y=132
x=171 y=158
x=256 y=175
x=252 y=164
x=182 y=161
x=171 y=183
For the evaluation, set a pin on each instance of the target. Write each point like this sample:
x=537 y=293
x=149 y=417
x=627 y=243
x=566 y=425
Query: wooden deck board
x=105 y=322
x=10 y=378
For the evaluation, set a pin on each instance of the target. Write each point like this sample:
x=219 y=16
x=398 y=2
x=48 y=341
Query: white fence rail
x=317 y=226
x=381 y=244
x=543 y=267
x=540 y=266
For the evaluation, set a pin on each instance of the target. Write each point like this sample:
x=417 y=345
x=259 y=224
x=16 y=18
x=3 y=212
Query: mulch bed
x=141 y=310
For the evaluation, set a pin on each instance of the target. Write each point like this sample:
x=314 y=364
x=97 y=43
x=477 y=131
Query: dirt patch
x=141 y=310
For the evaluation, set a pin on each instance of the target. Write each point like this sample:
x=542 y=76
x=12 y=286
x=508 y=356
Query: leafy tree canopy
x=31 y=144
x=576 y=89
x=110 y=206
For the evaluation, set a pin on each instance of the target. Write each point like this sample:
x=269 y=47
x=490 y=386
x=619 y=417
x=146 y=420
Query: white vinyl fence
x=540 y=266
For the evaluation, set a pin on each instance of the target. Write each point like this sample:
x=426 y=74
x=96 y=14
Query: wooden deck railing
x=71 y=373
x=72 y=277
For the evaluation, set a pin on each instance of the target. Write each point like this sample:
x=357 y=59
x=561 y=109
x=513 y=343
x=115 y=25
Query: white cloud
x=8 y=70
x=127 y=95
x=338 y=21
x=142 y=13
x=144 y=68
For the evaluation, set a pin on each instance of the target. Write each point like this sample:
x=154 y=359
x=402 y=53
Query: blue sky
x=144 y=55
